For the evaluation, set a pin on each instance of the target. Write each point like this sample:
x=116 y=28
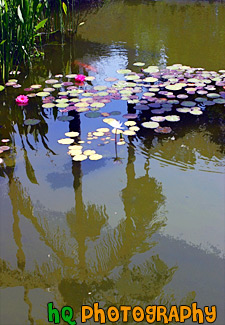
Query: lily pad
x=43 y=94
x=123 y=71
x=32 y=121
x=130 y=123
x=65 y=118
x=115 y=113
x=141 y=107
x=165 y=129
x=183 y=109
x=129 y=132
x=80 y=157
x=130 y=116
x=72 y=134
x=48 y=105
x=93 y=114
x=100 y=88
x=158 y=118
x=188 y=103
x=219 y=101
x=65 y=141
x=139 y=64
x=51 y=81
x=2 y=88
x=196 y=112
x=95 y=157
x=150 y=125
x=172 y=118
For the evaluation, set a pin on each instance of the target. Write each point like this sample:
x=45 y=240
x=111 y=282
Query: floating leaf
x=130 y=123
x=31 y=121
x=80 y=157
x=172 y=118
x=72 y=134
x=129 y=132
x=110 y=79
x=4 y=148
x=97 y=104
x=2 y=88
x=35 y=86
x=115 y=113
x=62 y=105
x=100 y=87
x=196 y=112
x=48 y=105
x=65 y=141
x=142 y=107
x=43 y=94
x=89 y=152
x=65 y=118
x=123 y=71
x=95 y=157
x=219 y=101
x=138 y=64
x=130 y=116
x=183 y=109
x=134 y=128
x=165 y=129
x=93 y=114
x=158 y=118
x=188 y=103
x=150 y=125
x=104 y=130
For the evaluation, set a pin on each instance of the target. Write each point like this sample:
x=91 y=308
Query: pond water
x=145 y=224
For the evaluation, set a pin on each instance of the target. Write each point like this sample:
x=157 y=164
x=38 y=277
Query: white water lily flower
x=116 y=124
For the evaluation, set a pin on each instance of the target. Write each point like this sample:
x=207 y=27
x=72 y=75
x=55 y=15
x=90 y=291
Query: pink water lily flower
x=22 y=100
x=80 y=78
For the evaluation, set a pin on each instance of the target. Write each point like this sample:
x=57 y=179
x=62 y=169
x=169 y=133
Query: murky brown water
x=140 y=228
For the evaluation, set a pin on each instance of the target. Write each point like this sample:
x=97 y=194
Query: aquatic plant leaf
x=43 y=94
x=165 y=129
x=41 y=24
x=93 y=114
x=97 y=104
x=115 y=113
x=123 y=71
x=80 y=157
x=65 y=118
x=196 y=112
x=130 y=116
x=158 y=118
x=110 y=79
x=104 y=130
x=2 y=88
x=139 y=64
x=130 y=123
x=4 y=148
x=65 y=141
x=129 y=132
x=72 y=134
x=219 y=101
x=89 y=152
x=134 y=128
x=31 y=121
x=188 y=103
x=183 y=109
x=95 y=157
x=172 y=118
x=142 y=107
x=48 y=105
x=100 y=88
x=150 y=125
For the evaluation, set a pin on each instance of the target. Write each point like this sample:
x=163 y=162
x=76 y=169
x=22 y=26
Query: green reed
x=20 y=22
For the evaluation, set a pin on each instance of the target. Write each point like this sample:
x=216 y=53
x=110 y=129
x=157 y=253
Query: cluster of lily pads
x=155 y=97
